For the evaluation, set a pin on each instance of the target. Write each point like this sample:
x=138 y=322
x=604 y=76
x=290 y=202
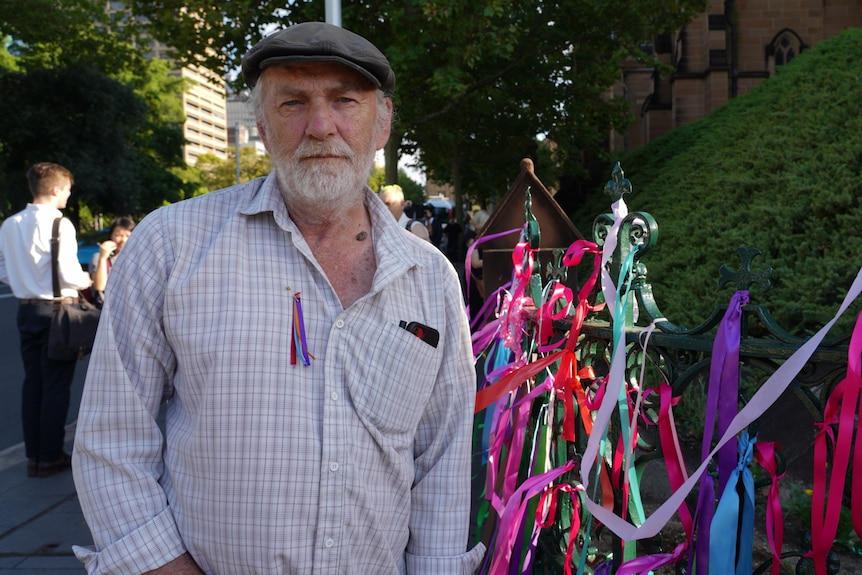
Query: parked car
x=88 y=246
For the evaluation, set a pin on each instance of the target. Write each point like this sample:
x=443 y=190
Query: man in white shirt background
x=25 y=264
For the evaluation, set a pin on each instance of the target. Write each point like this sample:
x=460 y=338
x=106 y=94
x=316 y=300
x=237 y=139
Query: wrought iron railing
x=677 y=355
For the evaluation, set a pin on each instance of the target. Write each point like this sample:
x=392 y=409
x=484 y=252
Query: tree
x=478 y=80
x=220 y=173
x=84 y=96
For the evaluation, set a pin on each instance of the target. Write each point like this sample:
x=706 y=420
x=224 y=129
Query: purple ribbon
x=722 y=398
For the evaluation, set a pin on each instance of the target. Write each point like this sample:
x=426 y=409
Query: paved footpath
x=40 y=518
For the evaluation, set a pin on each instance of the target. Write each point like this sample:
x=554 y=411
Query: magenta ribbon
x=468 y=267
x=841 y=411
x=513 y=515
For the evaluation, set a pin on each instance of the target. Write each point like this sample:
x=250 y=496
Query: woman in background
x=100 y=266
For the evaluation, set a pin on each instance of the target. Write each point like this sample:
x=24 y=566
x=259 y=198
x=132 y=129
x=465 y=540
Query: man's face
x=63 y=193
x=322 y=127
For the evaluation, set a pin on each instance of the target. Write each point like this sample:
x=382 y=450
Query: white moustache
x=310 y=150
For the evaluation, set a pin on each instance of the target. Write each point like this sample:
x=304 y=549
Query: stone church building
x=724 y=53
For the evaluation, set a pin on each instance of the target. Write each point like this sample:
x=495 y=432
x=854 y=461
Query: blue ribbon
x=732 y=532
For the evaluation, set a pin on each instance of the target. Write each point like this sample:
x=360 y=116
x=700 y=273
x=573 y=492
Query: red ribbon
x=548 y=519
x=514 y=378
x=764 y=454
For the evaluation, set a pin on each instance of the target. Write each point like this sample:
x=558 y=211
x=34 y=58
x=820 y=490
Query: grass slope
x=777 y=169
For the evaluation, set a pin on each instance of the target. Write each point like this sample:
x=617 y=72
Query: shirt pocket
x=390 y=378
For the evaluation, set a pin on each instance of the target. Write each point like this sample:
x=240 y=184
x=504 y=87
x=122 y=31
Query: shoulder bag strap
x=55 y=254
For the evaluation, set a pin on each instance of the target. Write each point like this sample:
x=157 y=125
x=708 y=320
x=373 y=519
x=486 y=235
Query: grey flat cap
x=319 y=42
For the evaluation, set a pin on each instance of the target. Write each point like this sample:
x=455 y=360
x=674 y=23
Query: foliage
x=776 y=169
x=86 y=97
x=91 y=124
x=376 y=179
x=477 y=80
x=217 y=173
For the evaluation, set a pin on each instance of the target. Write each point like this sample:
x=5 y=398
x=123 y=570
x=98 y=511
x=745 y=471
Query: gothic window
x=785 y=46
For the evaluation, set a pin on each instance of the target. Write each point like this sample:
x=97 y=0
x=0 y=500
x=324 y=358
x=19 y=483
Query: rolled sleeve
x=463 y=564
x=153 y=545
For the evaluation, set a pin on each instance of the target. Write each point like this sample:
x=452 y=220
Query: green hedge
x=777 y=169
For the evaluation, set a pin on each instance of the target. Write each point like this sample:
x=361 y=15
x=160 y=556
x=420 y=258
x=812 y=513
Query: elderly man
x=318 y=419
x=393 y=196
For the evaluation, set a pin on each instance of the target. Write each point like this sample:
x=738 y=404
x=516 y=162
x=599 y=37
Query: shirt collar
x=266 y=197
x=48 y=208
x=389 y=243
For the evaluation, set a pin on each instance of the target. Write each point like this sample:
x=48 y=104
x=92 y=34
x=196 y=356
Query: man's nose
x=321 y=121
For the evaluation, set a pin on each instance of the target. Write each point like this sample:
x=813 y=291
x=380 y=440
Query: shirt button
x=334 y=396
x=333 y=466
x=339 y=323
x=328 y=543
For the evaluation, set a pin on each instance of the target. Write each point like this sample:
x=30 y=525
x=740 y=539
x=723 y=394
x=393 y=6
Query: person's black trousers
x=47 y=383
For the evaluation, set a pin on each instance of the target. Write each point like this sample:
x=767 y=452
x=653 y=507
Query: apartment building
x=205 y=108
x=204 y=104
x=242 y=125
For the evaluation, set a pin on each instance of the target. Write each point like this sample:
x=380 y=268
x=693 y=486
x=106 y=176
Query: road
x=11 y=376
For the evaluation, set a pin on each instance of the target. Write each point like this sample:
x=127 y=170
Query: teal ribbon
x=731 y=538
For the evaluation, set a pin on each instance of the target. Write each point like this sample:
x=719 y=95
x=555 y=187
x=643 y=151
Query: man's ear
x=261 y=130
x=387 y=125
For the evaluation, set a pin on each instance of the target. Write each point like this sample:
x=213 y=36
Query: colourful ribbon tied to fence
x=732 y=532
x=841 y=411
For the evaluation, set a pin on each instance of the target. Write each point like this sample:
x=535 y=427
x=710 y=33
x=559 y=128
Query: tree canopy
x=478 y=80
x=82 y=95
x=776 y=169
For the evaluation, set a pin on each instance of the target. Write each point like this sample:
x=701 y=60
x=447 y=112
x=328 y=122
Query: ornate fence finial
x=556 y=271
x=744 y=278
x=618 y=185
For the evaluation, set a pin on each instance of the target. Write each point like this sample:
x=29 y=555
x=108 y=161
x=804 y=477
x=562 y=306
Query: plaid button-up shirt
x=356 y=464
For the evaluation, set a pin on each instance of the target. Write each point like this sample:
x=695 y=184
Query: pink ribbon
x=841 y=410
x=513 y=515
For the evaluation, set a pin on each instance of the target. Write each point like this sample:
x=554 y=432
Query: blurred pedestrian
x=434 y=226
x=393 y=196
x=102 y=262
x=25 y=264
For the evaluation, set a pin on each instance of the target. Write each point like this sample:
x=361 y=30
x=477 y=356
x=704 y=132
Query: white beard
x=324 y=186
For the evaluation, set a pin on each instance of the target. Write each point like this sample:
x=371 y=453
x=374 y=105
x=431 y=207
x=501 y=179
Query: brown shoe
x=49 y=468
x=32 y=467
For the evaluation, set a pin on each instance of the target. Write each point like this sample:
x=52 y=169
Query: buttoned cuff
x=464 y=564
